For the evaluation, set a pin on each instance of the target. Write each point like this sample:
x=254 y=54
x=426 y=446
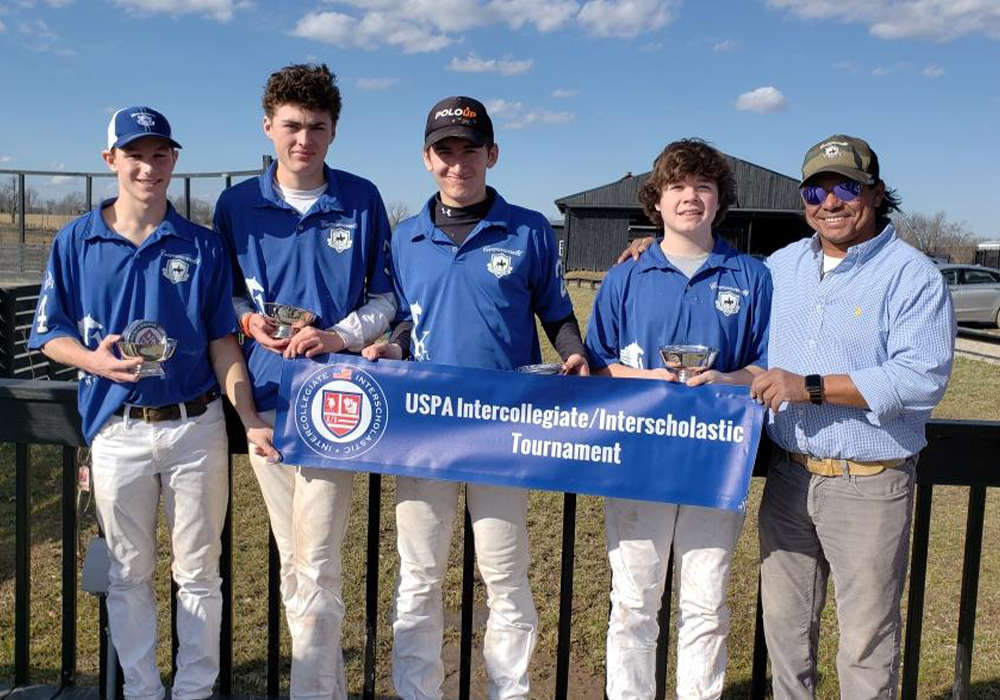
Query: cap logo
x=143 y=119
x=831 y=149
x=462 y=112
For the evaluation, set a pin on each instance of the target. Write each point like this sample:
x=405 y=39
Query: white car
x=975 y=291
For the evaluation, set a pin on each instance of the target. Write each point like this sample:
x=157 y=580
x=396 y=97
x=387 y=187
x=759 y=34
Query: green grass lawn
x=971 y=395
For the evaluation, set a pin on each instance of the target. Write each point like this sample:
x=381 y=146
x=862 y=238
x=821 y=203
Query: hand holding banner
x=627 y=438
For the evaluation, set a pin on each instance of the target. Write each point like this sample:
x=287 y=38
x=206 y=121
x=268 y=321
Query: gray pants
x=856 y=528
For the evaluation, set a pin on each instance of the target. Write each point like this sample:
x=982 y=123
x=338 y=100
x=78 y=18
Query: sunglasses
x=845 y=191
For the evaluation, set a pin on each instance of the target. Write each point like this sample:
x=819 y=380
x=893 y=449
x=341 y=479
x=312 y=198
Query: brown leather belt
x=835 y=467
x=172 y=411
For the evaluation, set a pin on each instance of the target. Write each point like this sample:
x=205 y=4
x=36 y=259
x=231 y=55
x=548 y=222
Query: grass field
x=972 y=395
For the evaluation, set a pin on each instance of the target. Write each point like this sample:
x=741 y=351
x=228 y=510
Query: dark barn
x=599 y=223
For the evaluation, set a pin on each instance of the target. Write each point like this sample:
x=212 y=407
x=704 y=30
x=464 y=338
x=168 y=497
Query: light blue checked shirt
x=884 y=317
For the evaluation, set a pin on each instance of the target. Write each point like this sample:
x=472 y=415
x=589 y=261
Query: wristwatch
x=814 y=386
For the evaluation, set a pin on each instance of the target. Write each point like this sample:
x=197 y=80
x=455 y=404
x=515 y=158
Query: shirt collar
x=860 y=253
x=173 y=224
x=722 y=256
x=328 y=201
x=498 y=215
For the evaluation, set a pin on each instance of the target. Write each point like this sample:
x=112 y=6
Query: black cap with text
x=461 y=117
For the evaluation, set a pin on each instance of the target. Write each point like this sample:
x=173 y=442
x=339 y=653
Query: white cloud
x=651 y=47
x=3 y=27
x=221 y=10
x=724 y=45
x=376 y=84
x=369 y=31
x=6 y=159
x=763 y=99
x=474 y=64
x=564 y=93
x=61 y=179
x=514 y=115
x=933 y=71
x=940 y=20
x=43 y=39
x=417 y=26
x=624 y=18
x=882 y=71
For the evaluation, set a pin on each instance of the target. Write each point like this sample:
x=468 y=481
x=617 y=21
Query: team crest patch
x=340 y=238
x=340 y=412
x=728 y=302
x=177 y=270
x=500 y=265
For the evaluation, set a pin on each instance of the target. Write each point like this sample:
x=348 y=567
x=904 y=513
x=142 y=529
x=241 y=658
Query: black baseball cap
x=462 y=117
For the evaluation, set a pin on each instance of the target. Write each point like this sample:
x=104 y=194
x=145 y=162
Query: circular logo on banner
x=340 y=412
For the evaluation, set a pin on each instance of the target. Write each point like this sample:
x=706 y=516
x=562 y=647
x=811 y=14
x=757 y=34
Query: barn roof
x=757 y=188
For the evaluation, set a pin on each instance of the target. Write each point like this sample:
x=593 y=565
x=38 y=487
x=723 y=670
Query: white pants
x=425 y=512
x=308 y=510
x=639 y=538
x=134 y=463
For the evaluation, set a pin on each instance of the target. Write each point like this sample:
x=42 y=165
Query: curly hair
x=306 y=85
x=680 y=159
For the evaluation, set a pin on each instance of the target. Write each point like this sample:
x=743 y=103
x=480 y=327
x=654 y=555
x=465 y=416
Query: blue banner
x=628 y=438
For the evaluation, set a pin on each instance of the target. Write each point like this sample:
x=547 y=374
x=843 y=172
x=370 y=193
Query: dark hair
x=680 y=159
x=306 y=85
x=890 y=202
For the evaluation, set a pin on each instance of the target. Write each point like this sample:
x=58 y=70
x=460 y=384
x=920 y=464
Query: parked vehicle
x=975 y=290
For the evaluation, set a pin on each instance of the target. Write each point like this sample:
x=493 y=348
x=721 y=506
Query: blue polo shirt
x=645 y=304
x=474 y=305
x=326 y=261
x=97 y=282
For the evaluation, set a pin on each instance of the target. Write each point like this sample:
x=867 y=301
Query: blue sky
x=581 y=91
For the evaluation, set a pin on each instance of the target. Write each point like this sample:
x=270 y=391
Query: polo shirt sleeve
x=56 y=310
x=602 y=330
x=219 y=317
x=550 y=299
x=379 y=271
x=919 y=350
x=402 y=304
x=222 y=225
x=760 y=322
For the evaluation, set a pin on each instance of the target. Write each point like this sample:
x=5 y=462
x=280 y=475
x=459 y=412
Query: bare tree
x=397 y=211
x=8 y=196
x=936 y=236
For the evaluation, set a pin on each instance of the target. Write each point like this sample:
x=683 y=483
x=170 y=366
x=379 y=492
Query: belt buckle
x=147 y=414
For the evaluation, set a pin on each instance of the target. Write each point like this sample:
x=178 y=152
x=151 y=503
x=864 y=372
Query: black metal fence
x=961 y=453
x=20 y=257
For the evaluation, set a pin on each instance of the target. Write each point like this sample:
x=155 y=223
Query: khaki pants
x=855 y=528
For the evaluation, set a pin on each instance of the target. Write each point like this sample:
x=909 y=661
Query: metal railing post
x=22 y=564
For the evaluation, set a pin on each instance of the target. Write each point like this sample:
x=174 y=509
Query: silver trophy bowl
x=287 y=318
x=688 y=360
x=147 y=340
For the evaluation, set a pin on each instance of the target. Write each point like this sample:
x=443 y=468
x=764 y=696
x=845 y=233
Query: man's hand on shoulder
x=776 y=386
x=636 y=248
x=261 y=328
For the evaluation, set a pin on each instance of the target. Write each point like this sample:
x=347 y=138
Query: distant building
x=988 y=254
x=600 y=222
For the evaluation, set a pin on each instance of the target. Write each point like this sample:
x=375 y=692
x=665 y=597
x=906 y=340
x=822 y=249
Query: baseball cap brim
x=457 y=131
x=853 y=173
x=125 y=140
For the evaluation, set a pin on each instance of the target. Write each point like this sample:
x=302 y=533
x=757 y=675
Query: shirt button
x=299 y=228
